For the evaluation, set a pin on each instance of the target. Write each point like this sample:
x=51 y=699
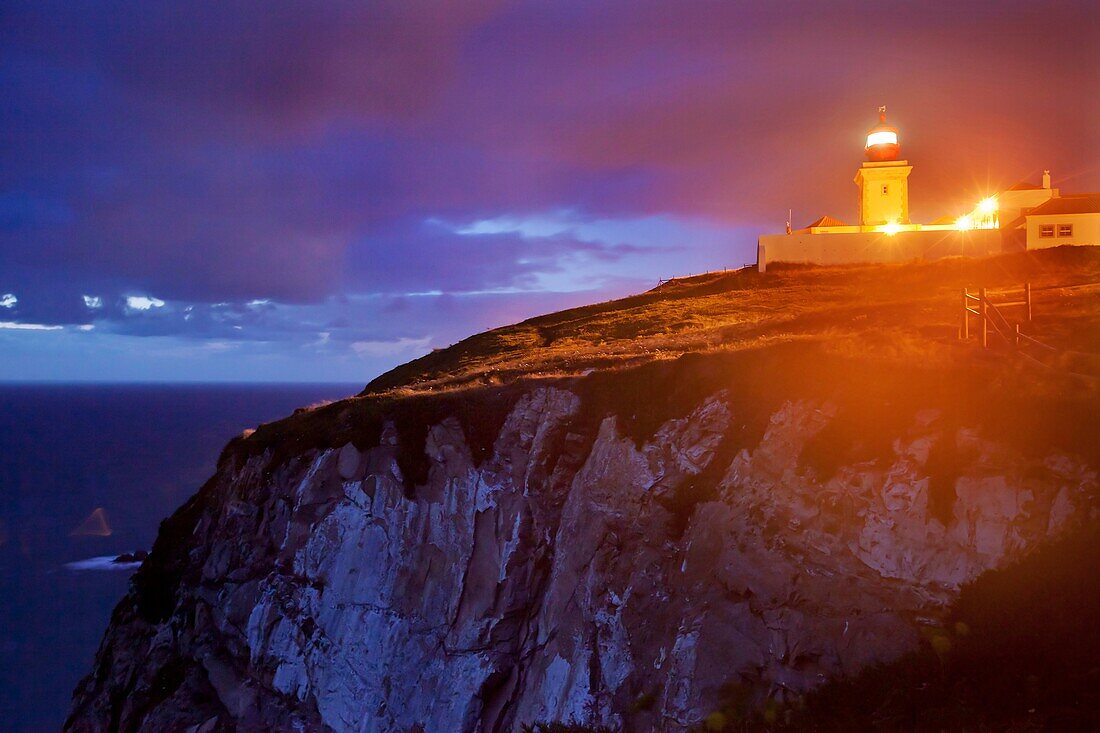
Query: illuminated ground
x=903 y=311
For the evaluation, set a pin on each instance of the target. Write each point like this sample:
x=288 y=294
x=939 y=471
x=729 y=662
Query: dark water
x=137 y=452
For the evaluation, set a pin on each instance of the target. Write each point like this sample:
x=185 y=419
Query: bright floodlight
x=882 y=137
x=987 y=205
x=891 y=228
x=964 y=222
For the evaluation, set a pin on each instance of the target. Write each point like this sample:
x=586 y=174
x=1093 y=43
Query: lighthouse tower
x=883 y=180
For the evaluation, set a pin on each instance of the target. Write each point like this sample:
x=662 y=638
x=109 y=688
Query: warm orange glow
x=882 y=137
x=891 y=228
x=984 y=216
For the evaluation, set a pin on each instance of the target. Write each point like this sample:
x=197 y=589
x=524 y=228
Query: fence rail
x=992 y=318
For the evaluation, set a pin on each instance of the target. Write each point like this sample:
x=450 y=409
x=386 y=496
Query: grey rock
x=550 y=582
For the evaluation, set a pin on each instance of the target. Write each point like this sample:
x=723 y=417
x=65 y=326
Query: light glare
x=882 y=137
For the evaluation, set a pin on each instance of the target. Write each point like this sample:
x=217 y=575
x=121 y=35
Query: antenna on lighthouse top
x=882 y=113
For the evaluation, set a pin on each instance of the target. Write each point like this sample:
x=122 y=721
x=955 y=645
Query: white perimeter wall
x=835 y=249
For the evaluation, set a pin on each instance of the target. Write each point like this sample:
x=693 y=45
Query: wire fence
x=746 y=266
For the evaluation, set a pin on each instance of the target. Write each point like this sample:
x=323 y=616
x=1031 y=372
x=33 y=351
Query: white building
x=1070 y=219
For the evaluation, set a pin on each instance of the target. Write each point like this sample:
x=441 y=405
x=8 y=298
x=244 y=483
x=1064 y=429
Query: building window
x=885 y=189
x=1046 y=230
x=1065 y=230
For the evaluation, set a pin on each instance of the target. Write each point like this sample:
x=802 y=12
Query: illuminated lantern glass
x=882 y=137
x=882 y=140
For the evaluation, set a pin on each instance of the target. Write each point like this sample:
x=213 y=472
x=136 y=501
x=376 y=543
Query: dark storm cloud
x=300 y=151
x=282 y=66
x=734 y=108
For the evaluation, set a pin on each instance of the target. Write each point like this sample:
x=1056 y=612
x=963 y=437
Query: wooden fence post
x=1027 y=300
x=985 y=322
x=1017 y=335
x=964 y=330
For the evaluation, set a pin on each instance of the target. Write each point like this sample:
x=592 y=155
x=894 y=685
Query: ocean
x=77 y=462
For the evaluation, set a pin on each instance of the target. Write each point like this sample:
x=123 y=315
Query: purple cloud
x=214 y=152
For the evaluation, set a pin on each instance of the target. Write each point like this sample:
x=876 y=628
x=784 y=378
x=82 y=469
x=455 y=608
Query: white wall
x=834 y=249
x=1086 y=230
x=1011 y=203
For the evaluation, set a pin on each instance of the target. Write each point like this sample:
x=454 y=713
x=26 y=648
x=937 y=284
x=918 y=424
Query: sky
x=318 y=191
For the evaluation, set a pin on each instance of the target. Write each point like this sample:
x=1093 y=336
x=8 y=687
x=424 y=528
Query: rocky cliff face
x=557 y=578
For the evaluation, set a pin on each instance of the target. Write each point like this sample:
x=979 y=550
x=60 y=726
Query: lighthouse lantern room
x=883 y=180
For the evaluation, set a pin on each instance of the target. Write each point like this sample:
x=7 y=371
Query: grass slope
x=875 y=338
x=900 y=310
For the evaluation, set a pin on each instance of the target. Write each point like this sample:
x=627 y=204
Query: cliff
x=616 y=515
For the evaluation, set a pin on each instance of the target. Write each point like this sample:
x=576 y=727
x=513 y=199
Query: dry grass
x=870 y=336
x=889 y=311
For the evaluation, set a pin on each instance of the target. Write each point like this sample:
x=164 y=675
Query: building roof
x=1078 y=203
x=1025 y=186
x=1074 y=203
x=826 y=221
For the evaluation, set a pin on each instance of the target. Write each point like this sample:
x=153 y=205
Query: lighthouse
x=885 y=233
x=883 y=180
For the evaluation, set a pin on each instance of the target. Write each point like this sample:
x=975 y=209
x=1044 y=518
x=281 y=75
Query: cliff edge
x=616 y=515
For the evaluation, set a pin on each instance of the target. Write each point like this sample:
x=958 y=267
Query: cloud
x=92 y=301
x=13 y=326
x=143 y=302
x=245 y=151
x=8 y=300
x=436 y=256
